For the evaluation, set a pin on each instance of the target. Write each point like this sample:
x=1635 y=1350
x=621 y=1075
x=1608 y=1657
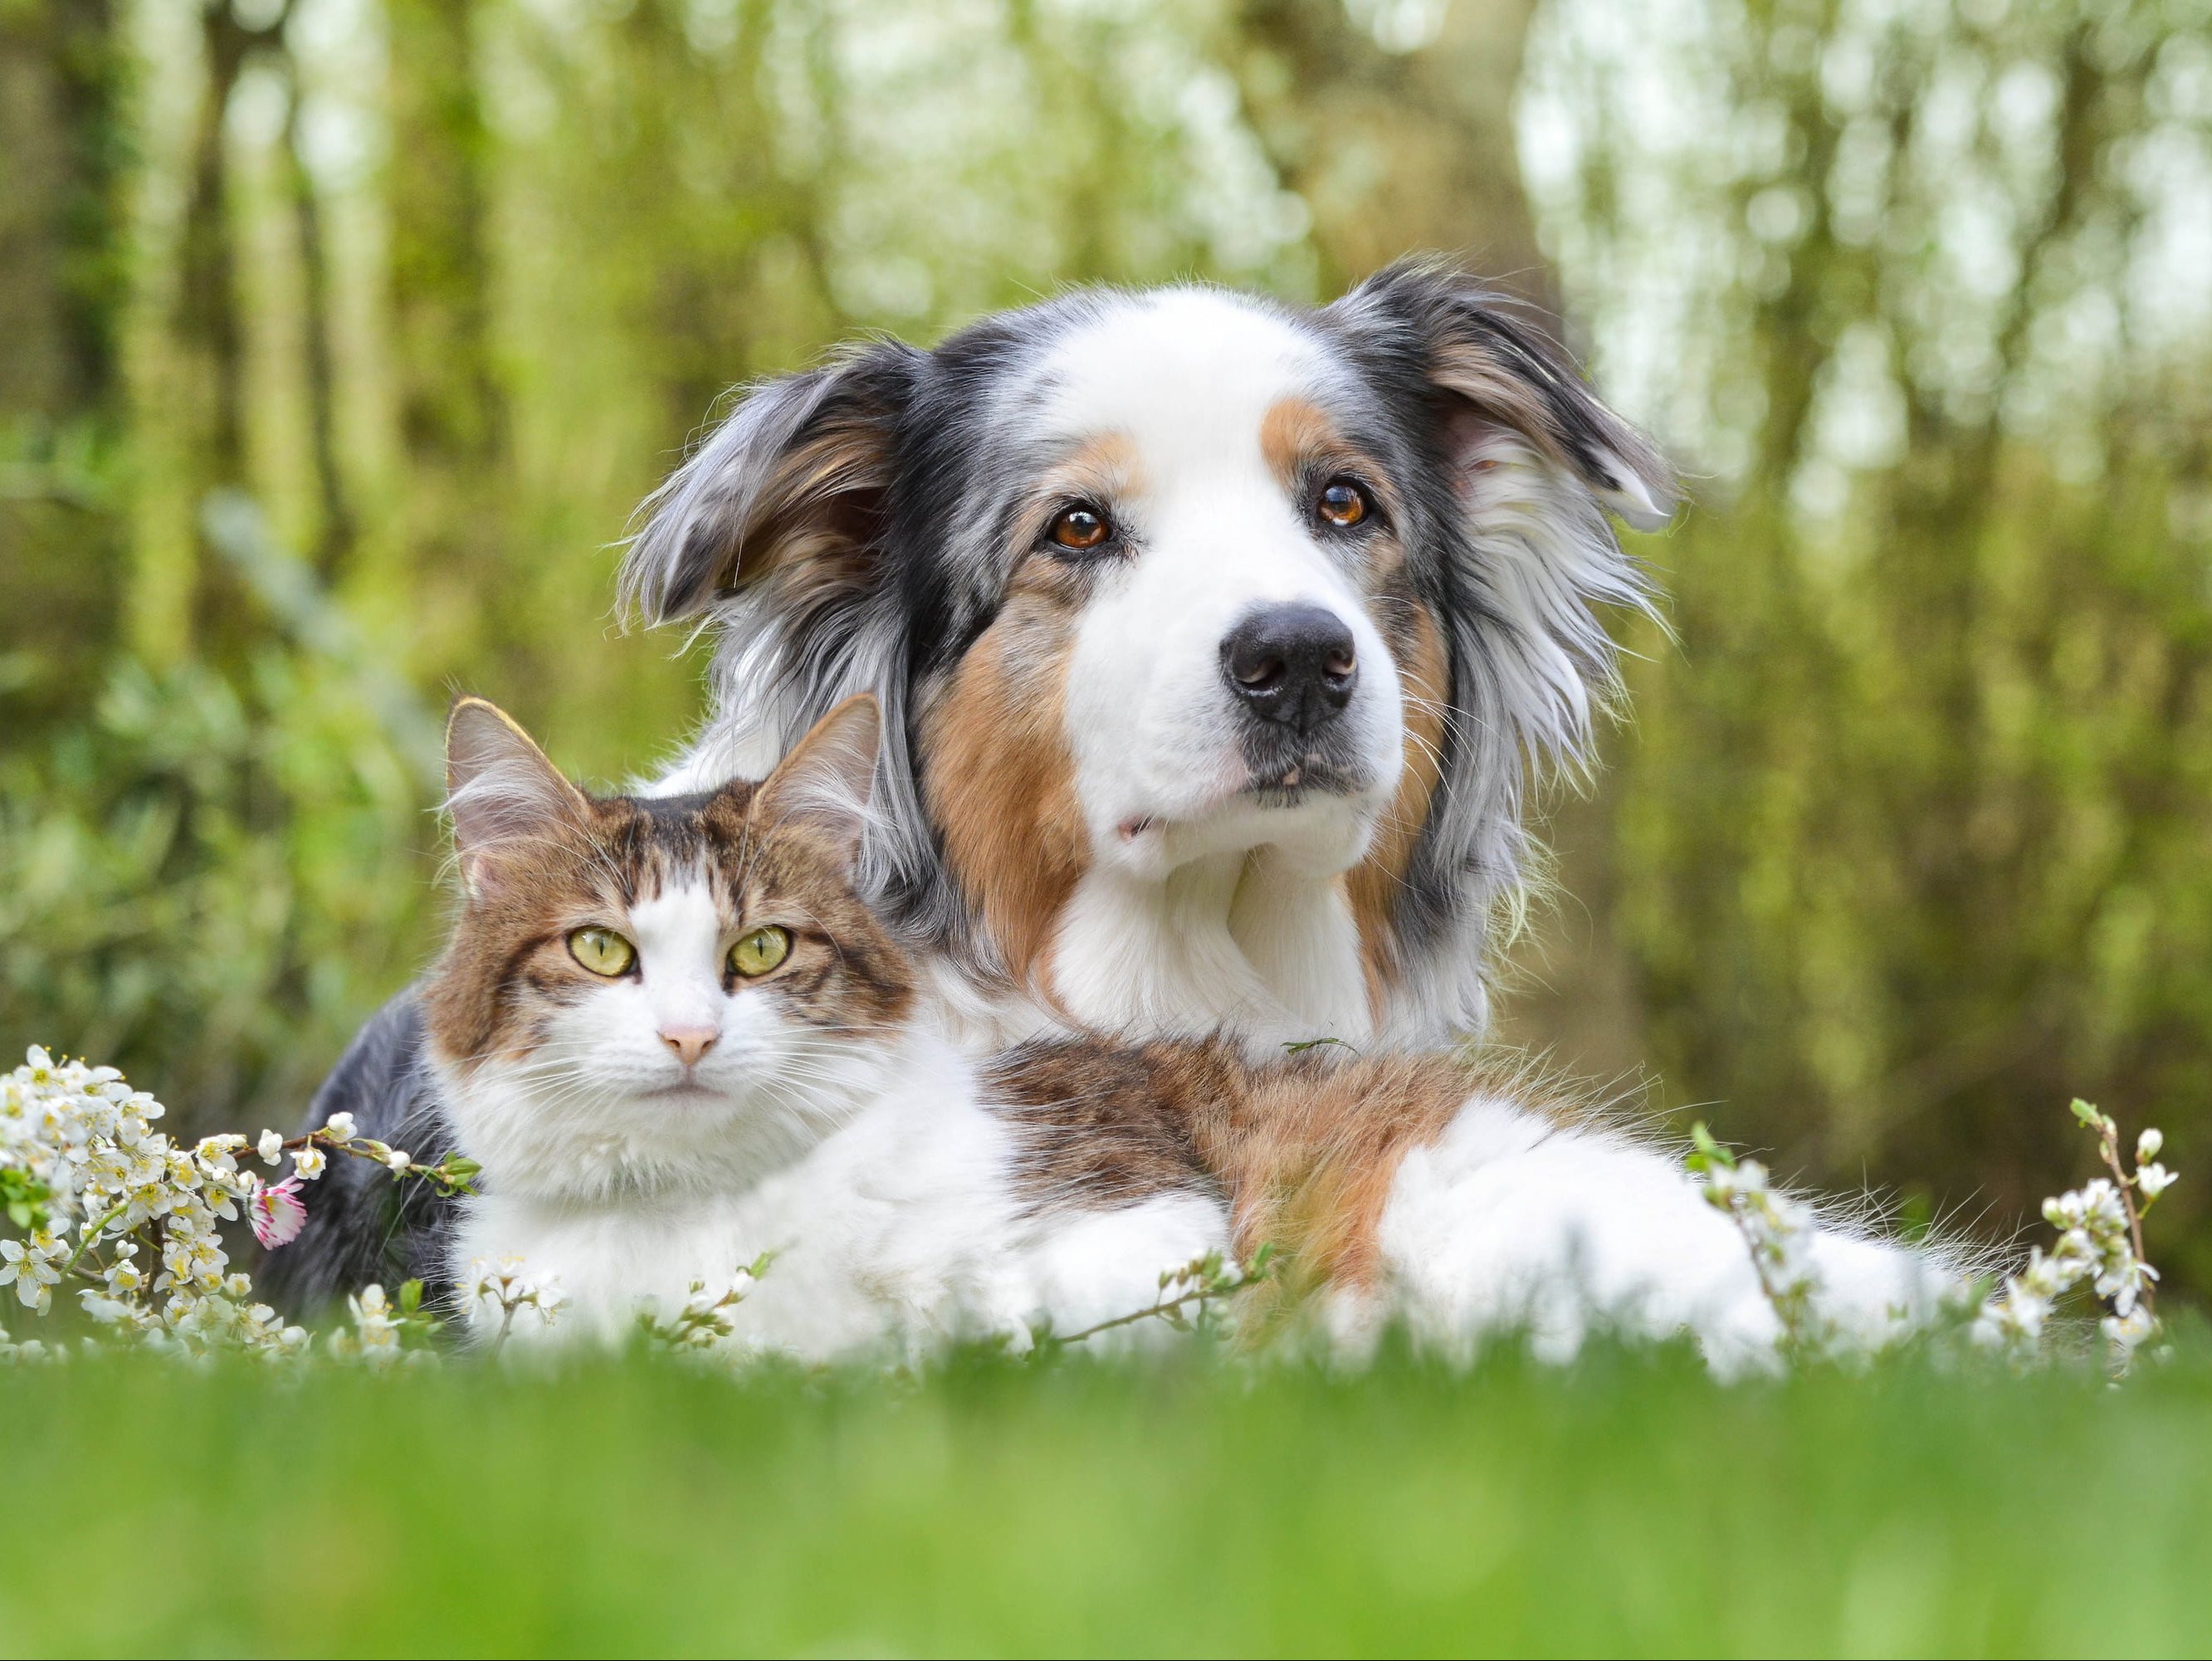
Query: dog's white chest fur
x=1229 y=942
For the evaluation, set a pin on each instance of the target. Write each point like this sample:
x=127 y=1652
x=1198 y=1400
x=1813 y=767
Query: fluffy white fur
x=867 y=1163
x=1508 y=1223
x=878 y=1176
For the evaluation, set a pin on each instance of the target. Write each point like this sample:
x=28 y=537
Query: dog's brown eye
x=1080 y=527
x=1342 y=502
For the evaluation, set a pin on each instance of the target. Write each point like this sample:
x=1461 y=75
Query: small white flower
x=307 y=1164
x=106 y=1311
x=2148 y=1145
x=341 y=1126
x=2153 y=1179
x=2014 y=1321
x=270 y=1148
x=2125 y=1332
x=398 y=1158
x=30 y=1264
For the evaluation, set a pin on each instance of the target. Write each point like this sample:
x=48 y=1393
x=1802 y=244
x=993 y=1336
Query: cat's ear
x=505 y=797
x=824 y=783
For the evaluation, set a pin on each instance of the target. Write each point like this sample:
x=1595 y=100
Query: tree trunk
x=451 y=419
x=61 y=294
x=1397 y=151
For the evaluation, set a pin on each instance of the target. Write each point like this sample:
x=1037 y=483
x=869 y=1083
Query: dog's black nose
x=1291 y=664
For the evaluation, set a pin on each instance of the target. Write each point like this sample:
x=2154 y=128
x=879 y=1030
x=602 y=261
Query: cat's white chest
x=894 y=1231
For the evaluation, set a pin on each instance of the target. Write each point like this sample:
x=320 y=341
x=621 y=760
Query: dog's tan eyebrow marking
x=1297 y=437
x=1292 y=432
x=1102 y=466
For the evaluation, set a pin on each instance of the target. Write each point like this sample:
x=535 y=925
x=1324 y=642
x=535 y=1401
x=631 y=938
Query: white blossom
x=507 y=1288
x=29 y=1264
x=2125 y=1333
x=1778 y=1232
x=270 y=1147
x=90 y=1141
x=2098 y=1225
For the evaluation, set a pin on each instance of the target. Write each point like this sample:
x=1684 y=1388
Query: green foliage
x=209 y=882
x=24 y=1197
x=1908 y=843
x=1628 y=1506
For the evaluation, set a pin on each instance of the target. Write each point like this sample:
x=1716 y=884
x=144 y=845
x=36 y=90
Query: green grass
x=1628 y=1504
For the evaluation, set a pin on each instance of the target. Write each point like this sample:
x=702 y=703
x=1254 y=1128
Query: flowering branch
x=1778 y=1232
x=1197 y=1285
x=705 y=1319
x=506 y=1288
x=80 y=1156
x=2099 y=1241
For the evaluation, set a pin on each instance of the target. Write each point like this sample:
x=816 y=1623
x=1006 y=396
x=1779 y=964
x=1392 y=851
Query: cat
x=676 y=1037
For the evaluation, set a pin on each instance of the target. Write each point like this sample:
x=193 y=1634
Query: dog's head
x=1149 y=582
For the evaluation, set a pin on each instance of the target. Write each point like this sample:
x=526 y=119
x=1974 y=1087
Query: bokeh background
x=339 y=337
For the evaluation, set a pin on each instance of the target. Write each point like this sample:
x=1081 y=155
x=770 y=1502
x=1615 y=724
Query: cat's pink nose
x=689 y=1042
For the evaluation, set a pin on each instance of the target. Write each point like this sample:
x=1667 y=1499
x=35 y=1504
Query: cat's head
x=646 y=993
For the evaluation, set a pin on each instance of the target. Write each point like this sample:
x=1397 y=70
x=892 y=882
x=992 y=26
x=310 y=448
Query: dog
x=1217 y=640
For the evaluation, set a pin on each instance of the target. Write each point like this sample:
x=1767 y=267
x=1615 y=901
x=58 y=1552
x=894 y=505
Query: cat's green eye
x=602 y=951
x=760 y=952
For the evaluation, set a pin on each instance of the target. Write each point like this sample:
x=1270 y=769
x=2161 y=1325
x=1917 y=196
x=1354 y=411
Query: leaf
x=410 y=1296
x=1709 y=1153
x=2085 y=1112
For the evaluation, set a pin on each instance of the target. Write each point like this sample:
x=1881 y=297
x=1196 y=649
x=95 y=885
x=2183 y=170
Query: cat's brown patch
x=1106 y=1124
x=1316 y=1148
x=1304 y=1147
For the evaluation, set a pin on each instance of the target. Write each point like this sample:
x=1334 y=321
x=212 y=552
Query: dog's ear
x=791 y=484
x=1496 y=379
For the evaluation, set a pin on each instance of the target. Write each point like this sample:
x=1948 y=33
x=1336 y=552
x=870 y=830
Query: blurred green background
x=339 y=337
